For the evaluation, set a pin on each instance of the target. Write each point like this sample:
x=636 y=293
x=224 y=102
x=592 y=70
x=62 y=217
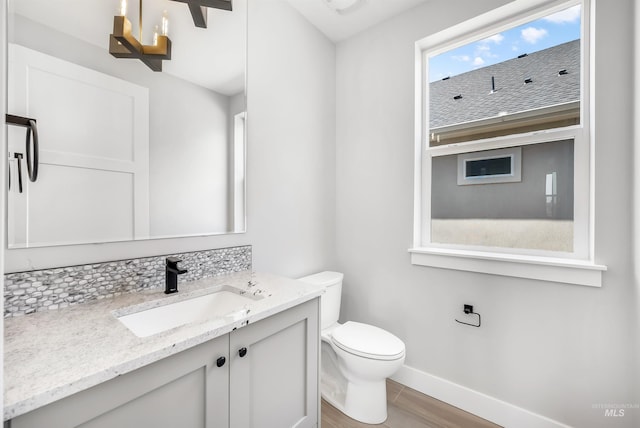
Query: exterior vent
x=523 y=55
x=457 y=97
x=446 y=78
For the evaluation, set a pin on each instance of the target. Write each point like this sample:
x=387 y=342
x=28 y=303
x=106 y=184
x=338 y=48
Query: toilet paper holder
x=468 y=309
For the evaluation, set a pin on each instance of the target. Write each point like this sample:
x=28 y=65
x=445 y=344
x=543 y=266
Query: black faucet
x=172 y=272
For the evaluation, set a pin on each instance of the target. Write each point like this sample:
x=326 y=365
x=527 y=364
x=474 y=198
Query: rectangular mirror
x=125 y=153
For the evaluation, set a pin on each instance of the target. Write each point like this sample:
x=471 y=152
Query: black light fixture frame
x=199 y=12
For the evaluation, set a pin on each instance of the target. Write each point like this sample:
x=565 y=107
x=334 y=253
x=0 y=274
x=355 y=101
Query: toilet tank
x=330 y=300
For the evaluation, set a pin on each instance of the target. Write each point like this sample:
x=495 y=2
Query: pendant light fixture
x=123 y=44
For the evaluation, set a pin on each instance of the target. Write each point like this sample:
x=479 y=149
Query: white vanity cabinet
x=275 y=383
x=261 y=375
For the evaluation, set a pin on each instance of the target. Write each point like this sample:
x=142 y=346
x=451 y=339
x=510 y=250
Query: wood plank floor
x=408 y=408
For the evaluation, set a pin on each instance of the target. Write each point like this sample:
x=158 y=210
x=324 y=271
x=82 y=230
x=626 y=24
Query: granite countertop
x=52 y=355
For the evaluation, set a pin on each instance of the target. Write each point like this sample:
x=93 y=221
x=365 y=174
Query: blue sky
x=533 y=36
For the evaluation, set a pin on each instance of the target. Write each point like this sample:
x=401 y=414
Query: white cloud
x=532 y=35
x=484 y=51
x=478 y=61
x=565 y=16
x=483 y=48
x=496 y=38
x=463 y=58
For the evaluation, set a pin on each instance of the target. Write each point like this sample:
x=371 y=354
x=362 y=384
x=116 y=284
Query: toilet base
x=366 y=403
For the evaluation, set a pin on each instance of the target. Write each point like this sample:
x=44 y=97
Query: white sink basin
x=218 y=304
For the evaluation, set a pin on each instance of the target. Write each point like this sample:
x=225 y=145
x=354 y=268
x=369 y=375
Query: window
x=492 y=166
x=503 y=162
x=487 y=167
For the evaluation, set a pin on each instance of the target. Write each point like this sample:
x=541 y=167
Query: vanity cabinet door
x=184 y=390
x=274 y=370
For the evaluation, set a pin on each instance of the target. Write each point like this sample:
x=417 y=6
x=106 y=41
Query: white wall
x=291 y=148
x=291 y=184
x=553 y=349
x=636 y=179
x=188 y=168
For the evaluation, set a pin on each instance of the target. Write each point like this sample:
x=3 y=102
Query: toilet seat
x=367 y=341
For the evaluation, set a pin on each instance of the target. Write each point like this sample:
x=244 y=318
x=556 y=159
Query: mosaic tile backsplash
x=49 y=289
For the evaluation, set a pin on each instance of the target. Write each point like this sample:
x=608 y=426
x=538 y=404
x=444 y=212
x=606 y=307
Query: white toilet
x=356 y=358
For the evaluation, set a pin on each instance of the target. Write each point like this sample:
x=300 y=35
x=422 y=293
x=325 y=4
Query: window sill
x=566 y=271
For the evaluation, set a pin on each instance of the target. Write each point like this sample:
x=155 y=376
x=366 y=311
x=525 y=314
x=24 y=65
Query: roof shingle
x=548 y=87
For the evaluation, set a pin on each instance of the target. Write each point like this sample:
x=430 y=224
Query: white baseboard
x=482 y=405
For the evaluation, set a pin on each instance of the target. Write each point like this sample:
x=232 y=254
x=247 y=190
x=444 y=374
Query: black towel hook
x=32 y=151
x=33 y=158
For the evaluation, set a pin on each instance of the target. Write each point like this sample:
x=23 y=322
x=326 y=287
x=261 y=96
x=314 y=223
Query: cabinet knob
x=220 y=361
x=242 y=352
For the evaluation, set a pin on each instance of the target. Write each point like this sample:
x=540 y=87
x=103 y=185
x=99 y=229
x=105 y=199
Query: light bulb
x=123 y=7
x=165 y=23
x=155 y=36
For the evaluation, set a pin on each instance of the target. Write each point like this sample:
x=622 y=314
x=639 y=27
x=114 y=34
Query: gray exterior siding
x=521 y=200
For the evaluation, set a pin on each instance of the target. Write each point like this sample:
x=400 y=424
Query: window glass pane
x=535 y=212
x=524 y=79
x=484 y=167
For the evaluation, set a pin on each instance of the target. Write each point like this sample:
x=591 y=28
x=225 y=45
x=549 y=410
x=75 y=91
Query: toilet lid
x=368 y=341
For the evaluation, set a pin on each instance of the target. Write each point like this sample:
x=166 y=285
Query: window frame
x=577 y=267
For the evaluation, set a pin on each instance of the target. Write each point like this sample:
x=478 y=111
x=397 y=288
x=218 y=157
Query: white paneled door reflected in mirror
x=125 y=153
